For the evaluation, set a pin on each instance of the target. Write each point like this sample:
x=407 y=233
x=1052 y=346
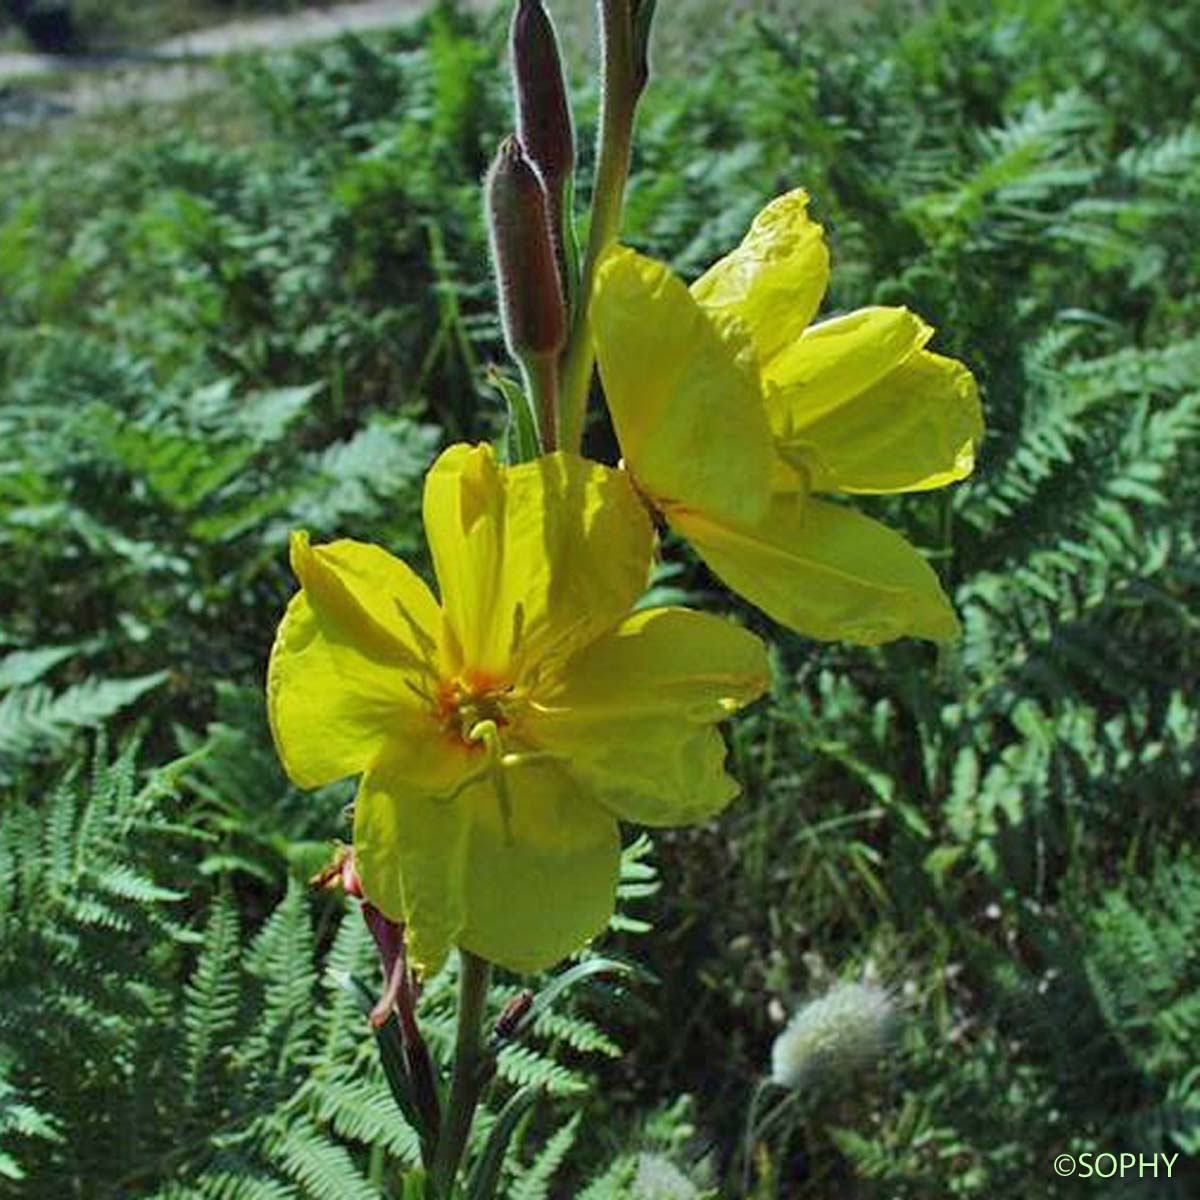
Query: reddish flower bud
x=513 y=1013
x=531 y=298
x=339 y=872
x=543 y=115
x=351 y=884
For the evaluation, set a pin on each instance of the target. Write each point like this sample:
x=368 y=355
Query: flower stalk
x=470 y=1072
x=619 y=96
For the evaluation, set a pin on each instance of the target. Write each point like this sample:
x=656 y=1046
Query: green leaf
x=391 y=1054
x=561 y=984
x=520 y=441
x=485 y=1176
x=416 y=1186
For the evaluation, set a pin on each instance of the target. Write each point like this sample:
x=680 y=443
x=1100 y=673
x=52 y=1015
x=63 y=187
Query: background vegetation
x=268 y=308
x=88 y=26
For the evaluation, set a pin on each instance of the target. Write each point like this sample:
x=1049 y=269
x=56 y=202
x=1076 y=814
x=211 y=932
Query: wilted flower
x=734 y=414
x=832 y=1038
x=502 y=732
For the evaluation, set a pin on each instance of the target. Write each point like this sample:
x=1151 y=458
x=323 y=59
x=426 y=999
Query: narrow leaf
x=485 y=1176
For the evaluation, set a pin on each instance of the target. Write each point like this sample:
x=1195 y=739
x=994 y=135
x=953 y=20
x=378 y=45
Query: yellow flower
x=501 y=734
x=734 y=413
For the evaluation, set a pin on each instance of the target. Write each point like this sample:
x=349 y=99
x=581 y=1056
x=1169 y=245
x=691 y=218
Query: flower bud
x=831 y=1039
x=351 y=883
x=531 y=298
x=543 y=116
x=339 y=872
x=513 y=1014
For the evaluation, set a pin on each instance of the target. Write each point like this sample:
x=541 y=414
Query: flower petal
x=522 y=889
x=836 y=360
x=532 y=560
x=827 y=571
x=913 y=430
x=353 y=645
x=410 y=844
x=683 y=395
x=542 y=882
x=636 y=712
x=368 y=594
x=775 y=279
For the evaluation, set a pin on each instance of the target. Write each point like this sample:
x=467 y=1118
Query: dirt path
x=52 y=86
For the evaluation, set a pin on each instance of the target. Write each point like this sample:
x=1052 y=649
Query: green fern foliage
x=22 y=1128
x=1142 y=968
x=34 y=718
x=90 y=915
x=227 y=320
x=223 y=1061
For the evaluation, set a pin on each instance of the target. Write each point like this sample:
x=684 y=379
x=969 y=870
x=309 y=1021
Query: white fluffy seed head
x=834 y=1037
x=660 y=1179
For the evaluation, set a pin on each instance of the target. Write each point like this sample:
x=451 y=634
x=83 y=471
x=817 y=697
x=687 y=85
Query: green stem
x=469 y=1077
x=617 y=105
x=541 y=385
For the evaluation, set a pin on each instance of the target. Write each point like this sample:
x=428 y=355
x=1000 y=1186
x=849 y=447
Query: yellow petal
x=775 y=279
x=522 y=887
x=532 y=560
x=542 y=881
x=827 y=572
x=369 y=595
x=636 y=712
x=345 y=662
x=683 y=394
x=913 y=430
x=410 y=843
x=836 y=360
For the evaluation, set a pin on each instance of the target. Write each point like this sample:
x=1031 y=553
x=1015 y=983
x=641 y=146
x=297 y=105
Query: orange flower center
x=463 y=704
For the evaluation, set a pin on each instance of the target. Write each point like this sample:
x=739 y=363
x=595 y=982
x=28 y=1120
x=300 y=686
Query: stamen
x=518 y=629
x=533 y=758
x=427 y=645
x=477 y=713
x=549 y=654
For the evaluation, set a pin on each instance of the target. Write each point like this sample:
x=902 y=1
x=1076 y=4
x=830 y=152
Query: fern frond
x=324 y=1168
x=364 y=1111
x=577 y=1032
x=385 y=457
x=533 y=1181
x=523 y=1066
x=280 y=957
x=21 y=1122
x=212 y=1002
x=615 y=1182
x=23 y=667
x=240 y=1185
x=1165 y=161
x=33 y=717
x=1025 y=164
